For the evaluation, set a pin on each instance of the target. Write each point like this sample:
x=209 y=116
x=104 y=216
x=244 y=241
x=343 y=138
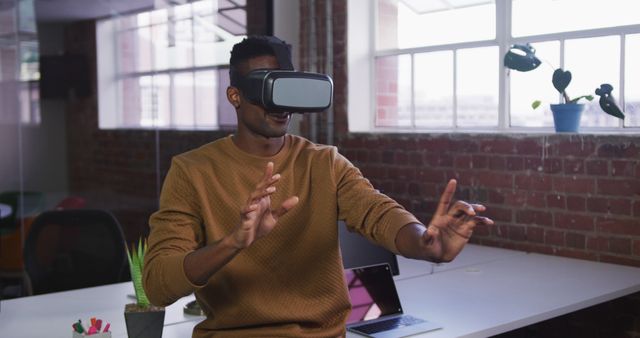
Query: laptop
x=376 y=310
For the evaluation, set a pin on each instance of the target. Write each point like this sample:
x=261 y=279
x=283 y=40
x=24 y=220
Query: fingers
x=287 y=205
x=446 y=197
x=265 y=186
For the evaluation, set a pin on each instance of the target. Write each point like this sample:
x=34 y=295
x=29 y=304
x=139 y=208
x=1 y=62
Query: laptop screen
x=372 y=292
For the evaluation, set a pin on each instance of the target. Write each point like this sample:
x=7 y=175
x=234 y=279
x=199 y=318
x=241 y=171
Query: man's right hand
x=257 y=218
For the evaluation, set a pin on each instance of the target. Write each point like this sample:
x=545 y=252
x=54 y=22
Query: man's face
x=253 y=118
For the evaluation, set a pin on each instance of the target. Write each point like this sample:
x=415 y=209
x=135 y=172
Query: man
x=248 y=223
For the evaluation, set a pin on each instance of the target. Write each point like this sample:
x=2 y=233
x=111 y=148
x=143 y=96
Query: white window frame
x=110 y=78
x=361 y=55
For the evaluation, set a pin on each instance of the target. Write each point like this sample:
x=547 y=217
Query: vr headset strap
x=282 y=51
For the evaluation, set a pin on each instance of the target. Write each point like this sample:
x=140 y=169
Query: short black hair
x=251 y=47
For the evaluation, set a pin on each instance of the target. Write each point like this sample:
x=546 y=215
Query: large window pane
x=589 y=70
x=416 y=23
x=533 y=85
x=433 y=89
x=477 y=87
x=393 y=91
x=206 y=103
x=632 y=80
x=533 y=17
x=184 y=105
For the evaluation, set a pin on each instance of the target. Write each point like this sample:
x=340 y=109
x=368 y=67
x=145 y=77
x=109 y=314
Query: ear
x=233 y=96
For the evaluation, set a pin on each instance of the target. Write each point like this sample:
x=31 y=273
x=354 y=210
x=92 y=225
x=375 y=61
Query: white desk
x=485 y=291
x=5 y=210
x=51 y=315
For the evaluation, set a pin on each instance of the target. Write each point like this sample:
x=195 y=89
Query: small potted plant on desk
x=566 y=114
x=143 y=319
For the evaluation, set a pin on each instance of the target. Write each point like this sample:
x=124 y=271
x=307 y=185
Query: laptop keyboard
x=388 y=324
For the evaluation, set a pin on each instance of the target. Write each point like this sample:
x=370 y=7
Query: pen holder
x=95 y=335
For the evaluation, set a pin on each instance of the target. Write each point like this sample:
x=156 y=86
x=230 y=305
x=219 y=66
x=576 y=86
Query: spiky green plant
x=136 y=263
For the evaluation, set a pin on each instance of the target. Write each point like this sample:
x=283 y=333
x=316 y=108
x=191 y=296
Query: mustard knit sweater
x=289 y=283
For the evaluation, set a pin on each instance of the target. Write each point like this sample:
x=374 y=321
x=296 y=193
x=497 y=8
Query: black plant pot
x=144 y=323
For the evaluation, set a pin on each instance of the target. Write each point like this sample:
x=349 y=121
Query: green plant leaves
x=136 y=265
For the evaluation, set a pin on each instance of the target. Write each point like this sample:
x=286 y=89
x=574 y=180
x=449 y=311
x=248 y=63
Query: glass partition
x=54 y=153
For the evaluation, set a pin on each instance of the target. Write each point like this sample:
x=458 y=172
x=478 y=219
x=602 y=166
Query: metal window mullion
x=455 y=89
x=621 y=97
x=503 y=34
x=413 y=93
x=172 y=100
x=587 y=33
x=561 y=99
x=435 y=48
x=193 y=72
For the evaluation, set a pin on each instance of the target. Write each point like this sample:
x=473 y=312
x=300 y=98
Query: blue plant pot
x=566 y=117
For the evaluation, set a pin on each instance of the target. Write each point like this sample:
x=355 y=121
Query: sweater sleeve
x=175 y=231
x=364 y=209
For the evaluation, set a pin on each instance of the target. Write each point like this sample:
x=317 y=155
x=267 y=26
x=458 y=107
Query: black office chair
x=72 y=249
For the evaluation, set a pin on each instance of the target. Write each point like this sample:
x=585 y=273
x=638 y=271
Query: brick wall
x=575 y=196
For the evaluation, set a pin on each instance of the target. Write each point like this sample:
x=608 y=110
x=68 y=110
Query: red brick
x=400 y=157
x=636 y=208
x=636 y=247
x=498 y=146
x=620 y=150
x=535 y=234
x=494 y=179
x=516 y=233
x=534 y=217
x=556 y=201
x=574 y=185
x=619 y=226
x=554 y=237
x=576 y=147
x=578 y=254
x=573 y=166
x=463 y=161
x=597 y=243
x=620 y=260
x=436 y=144
x=528 y=147
x=622 y=187
x=573 y=222
x=576 y=241
x=533 y=182
x=533 y=163
x=576 y=203
x=438 y=160
x=597 y=167
x=623 y=168
x=464 y=145
x=498 y=214
x=515 y=163
x=620 y=245
x=552 y=165
x=479 y=161
x=497 y=163
x=430 y=175
x=617 y=206
x=497 y=197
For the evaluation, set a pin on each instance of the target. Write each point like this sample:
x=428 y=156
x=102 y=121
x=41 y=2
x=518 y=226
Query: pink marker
x=106 y=327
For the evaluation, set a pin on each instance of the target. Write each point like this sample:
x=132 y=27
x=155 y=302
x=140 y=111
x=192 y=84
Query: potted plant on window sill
x=143 y=319
x=566 y=114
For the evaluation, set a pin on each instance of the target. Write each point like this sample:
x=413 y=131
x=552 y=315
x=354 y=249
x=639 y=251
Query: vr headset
x=284 y=89
x=287 y=90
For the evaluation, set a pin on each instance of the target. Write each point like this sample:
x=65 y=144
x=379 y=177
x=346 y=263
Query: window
x=168 y=68
x=438 y=64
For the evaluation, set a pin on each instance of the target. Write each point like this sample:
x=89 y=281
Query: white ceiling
x=73 y=10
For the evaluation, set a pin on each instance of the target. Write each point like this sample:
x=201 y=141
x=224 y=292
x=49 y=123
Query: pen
x=98 y=324
x=106 y=327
